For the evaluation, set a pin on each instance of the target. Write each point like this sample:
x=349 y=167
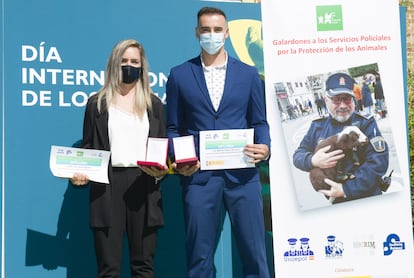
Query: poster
x=370 y=236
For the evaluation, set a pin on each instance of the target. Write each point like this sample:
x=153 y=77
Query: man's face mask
x=130 y=74
x=211 y=42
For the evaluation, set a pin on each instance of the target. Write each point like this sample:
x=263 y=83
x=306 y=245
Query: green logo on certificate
x=329 y=18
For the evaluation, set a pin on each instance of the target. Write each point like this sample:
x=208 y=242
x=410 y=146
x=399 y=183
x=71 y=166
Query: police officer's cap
x=292 y=241
x=339 y=83
x=331 y=238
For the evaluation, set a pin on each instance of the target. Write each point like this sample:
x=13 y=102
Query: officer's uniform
x=373 y=156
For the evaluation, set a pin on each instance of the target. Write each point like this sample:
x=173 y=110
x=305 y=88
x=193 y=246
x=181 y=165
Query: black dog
x=347 y=140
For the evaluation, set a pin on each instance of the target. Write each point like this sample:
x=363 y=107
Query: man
x=358 y=97
x=214 y=91
x=379 y=96
x=373 y=156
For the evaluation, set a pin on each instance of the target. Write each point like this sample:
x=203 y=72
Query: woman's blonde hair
x=113 y=78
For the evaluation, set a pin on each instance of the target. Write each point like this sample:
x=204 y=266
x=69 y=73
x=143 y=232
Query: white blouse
x=128 y=136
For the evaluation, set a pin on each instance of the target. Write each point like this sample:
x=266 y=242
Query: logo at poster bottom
x=298 y=252
x=393 y=243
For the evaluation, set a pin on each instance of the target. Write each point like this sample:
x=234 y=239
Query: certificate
x=223 y=149
x=65 y=161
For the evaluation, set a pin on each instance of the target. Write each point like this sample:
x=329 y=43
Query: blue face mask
x=130 y=74
x=211 y=42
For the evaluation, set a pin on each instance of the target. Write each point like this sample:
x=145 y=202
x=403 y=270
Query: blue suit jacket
x=190 y=109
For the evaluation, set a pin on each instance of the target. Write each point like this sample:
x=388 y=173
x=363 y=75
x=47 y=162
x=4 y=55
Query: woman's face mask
x=130 y=74
x=211 y=42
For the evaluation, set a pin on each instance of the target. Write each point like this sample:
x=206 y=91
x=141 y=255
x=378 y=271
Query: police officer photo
x=373 y=157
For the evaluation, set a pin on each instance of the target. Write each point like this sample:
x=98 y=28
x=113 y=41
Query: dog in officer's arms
x=347 y=140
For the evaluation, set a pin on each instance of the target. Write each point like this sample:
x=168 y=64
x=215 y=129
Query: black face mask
x=130 y=74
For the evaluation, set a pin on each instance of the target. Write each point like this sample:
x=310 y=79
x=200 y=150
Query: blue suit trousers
x=202 y=210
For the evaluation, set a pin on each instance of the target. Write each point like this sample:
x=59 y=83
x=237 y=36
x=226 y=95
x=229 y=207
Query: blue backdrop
x=54 y=55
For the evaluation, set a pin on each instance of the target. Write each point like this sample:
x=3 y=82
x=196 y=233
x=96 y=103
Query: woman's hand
x=156 y=172
x=79 y=179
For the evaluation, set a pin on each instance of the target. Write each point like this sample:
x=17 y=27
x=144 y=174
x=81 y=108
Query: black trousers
x=129 y=191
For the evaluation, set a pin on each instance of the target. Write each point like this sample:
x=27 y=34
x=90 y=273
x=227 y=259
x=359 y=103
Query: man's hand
x=324 y=159
x=187 y=170
x=336 y=190
x=257 y=152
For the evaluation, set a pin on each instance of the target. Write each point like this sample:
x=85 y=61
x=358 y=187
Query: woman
x=120 y=118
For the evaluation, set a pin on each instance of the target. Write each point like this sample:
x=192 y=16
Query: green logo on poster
x=329 y=18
